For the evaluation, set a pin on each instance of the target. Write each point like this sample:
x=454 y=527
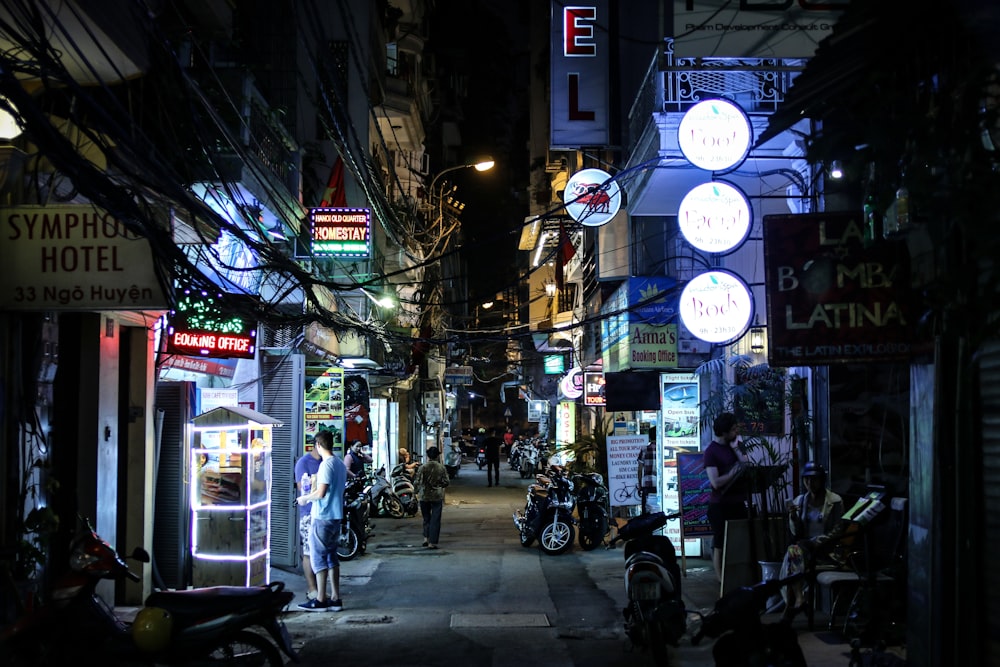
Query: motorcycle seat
x=206 y=601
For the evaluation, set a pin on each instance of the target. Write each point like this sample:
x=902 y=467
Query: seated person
x=812 y=517
x=409 y=465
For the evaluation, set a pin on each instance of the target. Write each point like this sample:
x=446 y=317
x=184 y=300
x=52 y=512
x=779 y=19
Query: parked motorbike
x=355 y=529
x=402 y=487
x=188 y=626
x=593 y=507
x=548 y=513
x=655 y=617
x=741 y=638
x=453 y=460
x=528 y=465
x=384 y=501
x=514 y=456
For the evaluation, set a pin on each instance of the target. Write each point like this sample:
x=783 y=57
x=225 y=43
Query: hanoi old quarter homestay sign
x=831 y=299
x=74 y=257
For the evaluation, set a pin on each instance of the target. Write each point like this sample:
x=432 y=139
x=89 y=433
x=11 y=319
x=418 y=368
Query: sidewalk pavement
x=821 y=646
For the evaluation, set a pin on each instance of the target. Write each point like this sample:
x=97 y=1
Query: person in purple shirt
x=725 y=462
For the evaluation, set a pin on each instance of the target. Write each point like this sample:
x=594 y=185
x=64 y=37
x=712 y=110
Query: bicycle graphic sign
x=623 y=468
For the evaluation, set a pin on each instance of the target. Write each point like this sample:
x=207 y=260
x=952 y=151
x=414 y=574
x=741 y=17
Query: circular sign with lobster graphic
x=592 y=198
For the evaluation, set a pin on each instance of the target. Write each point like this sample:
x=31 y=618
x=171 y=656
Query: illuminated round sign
x=715 y=135
x=716 y=306
x=715 y=217
x=591 y=198
x=571 y=384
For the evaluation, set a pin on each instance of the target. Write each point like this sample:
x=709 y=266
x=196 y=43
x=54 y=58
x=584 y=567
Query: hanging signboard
x=725 y=29
x=341 y=232
x=592 y=198
x=580 y=56
x=715 y=217
x=593 y=389
x=717 y=306
x=830 y=299
x=715 y=135
x=74 y=258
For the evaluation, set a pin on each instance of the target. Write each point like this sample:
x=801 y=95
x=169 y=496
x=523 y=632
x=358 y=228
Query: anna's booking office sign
x=832 y=298
x=74 y=257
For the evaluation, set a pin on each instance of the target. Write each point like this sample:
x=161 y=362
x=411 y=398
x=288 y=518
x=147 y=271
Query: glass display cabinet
x=231 y=497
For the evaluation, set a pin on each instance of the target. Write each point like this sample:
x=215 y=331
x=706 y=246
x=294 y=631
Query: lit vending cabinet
x=231 y=497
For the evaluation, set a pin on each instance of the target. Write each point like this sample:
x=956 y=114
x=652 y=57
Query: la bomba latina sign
x=592 y=198
x=715 y=217
x=715 y=135
x=717 y=306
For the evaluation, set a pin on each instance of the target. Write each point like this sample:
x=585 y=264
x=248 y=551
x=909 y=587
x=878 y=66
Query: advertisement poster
x=680 y=413
x=694 y=493
x=623 y=468
x=324 y=406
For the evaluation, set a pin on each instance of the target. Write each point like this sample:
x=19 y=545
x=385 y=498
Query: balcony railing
x=676 y=84
x=252 y=120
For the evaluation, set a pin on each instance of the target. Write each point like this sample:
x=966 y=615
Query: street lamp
x=484 y=164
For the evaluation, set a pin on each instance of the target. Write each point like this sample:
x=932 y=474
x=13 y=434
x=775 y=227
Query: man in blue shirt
x=327 y=513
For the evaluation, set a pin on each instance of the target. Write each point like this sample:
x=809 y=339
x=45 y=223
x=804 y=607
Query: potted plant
x=773 y=424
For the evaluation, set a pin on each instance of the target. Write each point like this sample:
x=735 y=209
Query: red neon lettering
x=578 y=32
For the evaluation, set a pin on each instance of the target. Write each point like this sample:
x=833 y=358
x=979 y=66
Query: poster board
x=695 y=491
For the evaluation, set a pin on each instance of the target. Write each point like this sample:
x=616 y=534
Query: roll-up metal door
x=282 y=397
x=989 y=392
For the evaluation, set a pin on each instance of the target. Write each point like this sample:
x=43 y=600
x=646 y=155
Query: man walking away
x=430 y=482
x=327 y=513
x=492 y=447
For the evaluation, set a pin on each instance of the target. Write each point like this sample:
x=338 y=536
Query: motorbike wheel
x=658 y=644
x=351 y=547
x=591 y=537
x=246 y=648
x=392 y=507
x=556 y=537
x=526 y=538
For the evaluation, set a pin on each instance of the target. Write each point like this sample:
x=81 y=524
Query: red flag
x=564 y=252
x=334 y=194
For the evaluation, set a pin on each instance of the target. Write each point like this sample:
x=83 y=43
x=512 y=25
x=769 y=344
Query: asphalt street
x=484 y=600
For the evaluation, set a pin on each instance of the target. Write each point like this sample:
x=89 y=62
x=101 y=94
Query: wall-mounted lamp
x=276 y=231
x=550 y=290
x=836 y=170
x=757 y=339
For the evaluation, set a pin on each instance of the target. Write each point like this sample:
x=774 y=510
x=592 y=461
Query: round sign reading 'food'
x=592 y=198
x=715 y=217
x=716 y=306
x=715 y=135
